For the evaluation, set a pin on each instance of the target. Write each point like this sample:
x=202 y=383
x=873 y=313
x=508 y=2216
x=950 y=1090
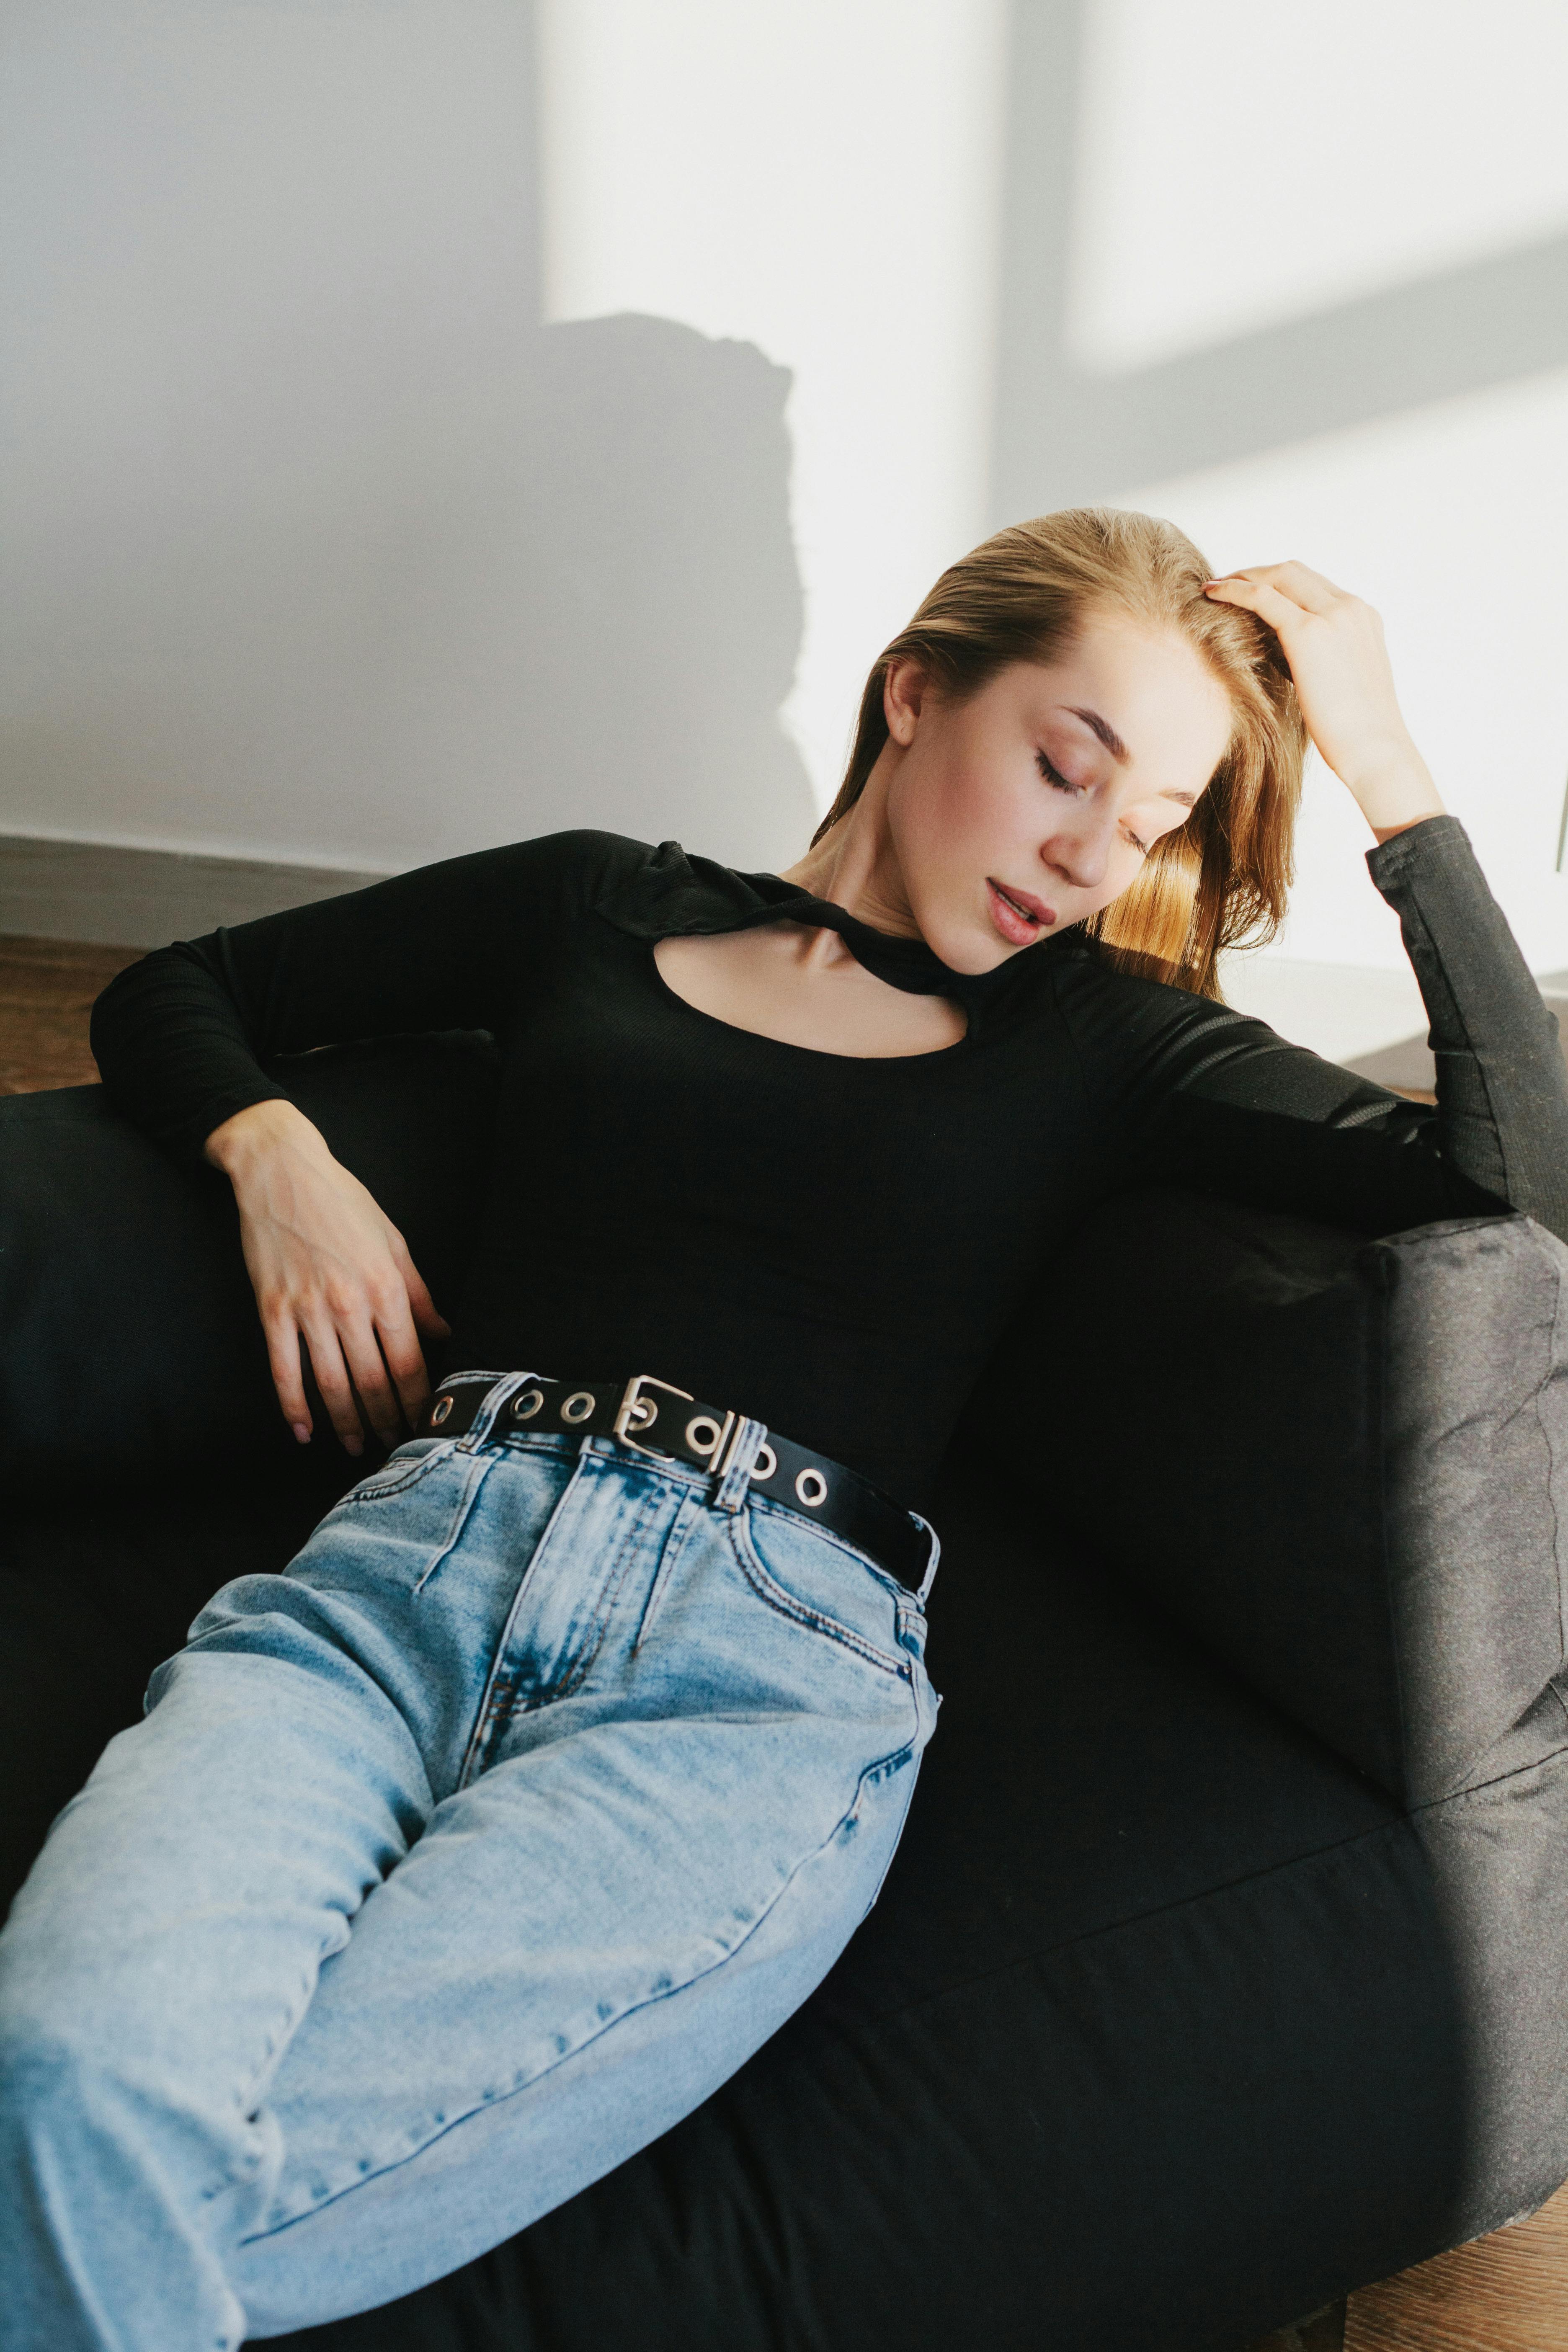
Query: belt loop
x=735 y=1484
x=931 y=1562
x=484 y=1420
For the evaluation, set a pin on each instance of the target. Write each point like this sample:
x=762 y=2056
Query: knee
x=51 y=2088
x=72 y=2057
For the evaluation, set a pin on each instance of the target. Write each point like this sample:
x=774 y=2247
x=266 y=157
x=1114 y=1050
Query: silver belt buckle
x=638 y=1411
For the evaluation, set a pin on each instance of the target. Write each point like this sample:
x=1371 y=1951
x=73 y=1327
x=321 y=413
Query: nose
x=1080 y=852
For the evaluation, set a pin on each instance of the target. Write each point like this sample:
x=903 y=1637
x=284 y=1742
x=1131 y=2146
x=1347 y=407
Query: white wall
x=259 y=268
x=324 y=542
x=435 y=420
x=1316 y=155
x=822 y=180
x=1242 y=161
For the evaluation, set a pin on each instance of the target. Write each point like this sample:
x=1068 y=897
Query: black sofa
x=1224 y=1964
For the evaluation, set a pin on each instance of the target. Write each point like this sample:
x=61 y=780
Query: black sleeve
x=1208 y=1098
x=180 y=1038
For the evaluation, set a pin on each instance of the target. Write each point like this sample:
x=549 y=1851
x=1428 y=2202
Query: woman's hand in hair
x=1334 y=645
x=330 y=1269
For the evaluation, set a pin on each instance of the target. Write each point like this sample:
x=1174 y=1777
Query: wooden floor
x=46 y=988
x=1508 y=2292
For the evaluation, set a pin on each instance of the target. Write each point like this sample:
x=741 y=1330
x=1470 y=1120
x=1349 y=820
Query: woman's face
x=1034 y=803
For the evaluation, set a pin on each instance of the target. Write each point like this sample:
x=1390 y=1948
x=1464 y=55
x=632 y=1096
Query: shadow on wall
x=320 y=545
x=562 y=592
x=632 y=576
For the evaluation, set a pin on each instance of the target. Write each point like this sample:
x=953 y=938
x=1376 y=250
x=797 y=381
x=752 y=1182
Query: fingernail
x=354 y=1444
x=301 y=1430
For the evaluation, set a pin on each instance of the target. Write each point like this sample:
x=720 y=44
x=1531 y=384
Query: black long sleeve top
x=833 y=1243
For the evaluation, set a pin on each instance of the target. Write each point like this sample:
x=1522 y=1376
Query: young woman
x=460 y=1859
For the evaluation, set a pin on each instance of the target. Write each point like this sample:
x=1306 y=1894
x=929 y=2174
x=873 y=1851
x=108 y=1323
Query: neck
x=855 y=866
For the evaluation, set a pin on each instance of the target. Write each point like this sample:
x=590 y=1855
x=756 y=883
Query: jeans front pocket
x=809 y=1574
x=398 y=1523
x=400 y=1471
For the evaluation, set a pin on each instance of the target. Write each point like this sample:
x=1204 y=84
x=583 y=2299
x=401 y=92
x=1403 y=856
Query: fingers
x=367 y=1370
x=427 y=1316
x=382 y=1353
x=1301 y=584
x=1256 y=595
x=1297 y=582
x=400 y=1353
x=283 y=1356
x=333 y=1378
x=365 y=1351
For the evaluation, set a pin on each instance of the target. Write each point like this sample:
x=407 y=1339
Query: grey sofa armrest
x=1344 y=1465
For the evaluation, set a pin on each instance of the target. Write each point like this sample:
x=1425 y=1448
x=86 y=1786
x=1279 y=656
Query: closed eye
x=1055 y=776
x=1061 y=783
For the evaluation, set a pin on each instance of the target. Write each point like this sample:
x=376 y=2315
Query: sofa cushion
x=1150 y=2039
x=1344 y=1465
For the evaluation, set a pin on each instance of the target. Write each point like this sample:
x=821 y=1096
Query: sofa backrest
x=129 y=1339
x=1344 y=1465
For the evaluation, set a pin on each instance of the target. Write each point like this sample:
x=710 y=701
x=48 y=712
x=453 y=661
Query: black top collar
x=672 y=894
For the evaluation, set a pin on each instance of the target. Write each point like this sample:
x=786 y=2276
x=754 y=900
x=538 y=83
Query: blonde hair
x=1218 y=881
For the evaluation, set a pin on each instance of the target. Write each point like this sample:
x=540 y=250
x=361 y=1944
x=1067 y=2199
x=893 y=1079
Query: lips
x=1018 y=915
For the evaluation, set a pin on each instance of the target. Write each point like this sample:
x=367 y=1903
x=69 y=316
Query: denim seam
x=869 y=1776
x=785 y=1602
x=614 y=1578
x=224 y=2179
x=380 y=1487
x=466 y=1770
x=892 y=1857
x=462 y=1511
x=688 y=1516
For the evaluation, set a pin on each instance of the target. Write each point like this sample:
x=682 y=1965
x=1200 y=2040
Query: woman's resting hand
x=1334 y=645
x=328 y=1267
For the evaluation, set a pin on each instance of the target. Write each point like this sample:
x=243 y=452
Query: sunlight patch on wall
x=821 y=181
x=1241 y=162
x=1451 y=522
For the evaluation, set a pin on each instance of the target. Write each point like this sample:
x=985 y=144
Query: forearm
x=172 y=1049
x=242 y=1146
x=1395 y=791
x=1503 y=1088
x=187 y=1038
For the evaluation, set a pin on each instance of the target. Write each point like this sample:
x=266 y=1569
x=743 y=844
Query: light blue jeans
x=447 y=1869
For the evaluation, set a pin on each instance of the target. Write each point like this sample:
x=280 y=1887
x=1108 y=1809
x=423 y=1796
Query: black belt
x=822 y=1491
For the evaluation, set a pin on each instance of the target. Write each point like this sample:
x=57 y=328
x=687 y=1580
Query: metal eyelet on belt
x=578 y=1406
x=764 y=1452
x=526 y=1403
x=703 y=1432
x=814 y=1479
x=441 y=1411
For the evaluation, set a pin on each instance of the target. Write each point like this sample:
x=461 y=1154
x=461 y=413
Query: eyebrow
x=1117 y=748
x=1104 y=729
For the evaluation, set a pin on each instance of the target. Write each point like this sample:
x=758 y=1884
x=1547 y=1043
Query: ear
x=904 y=690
